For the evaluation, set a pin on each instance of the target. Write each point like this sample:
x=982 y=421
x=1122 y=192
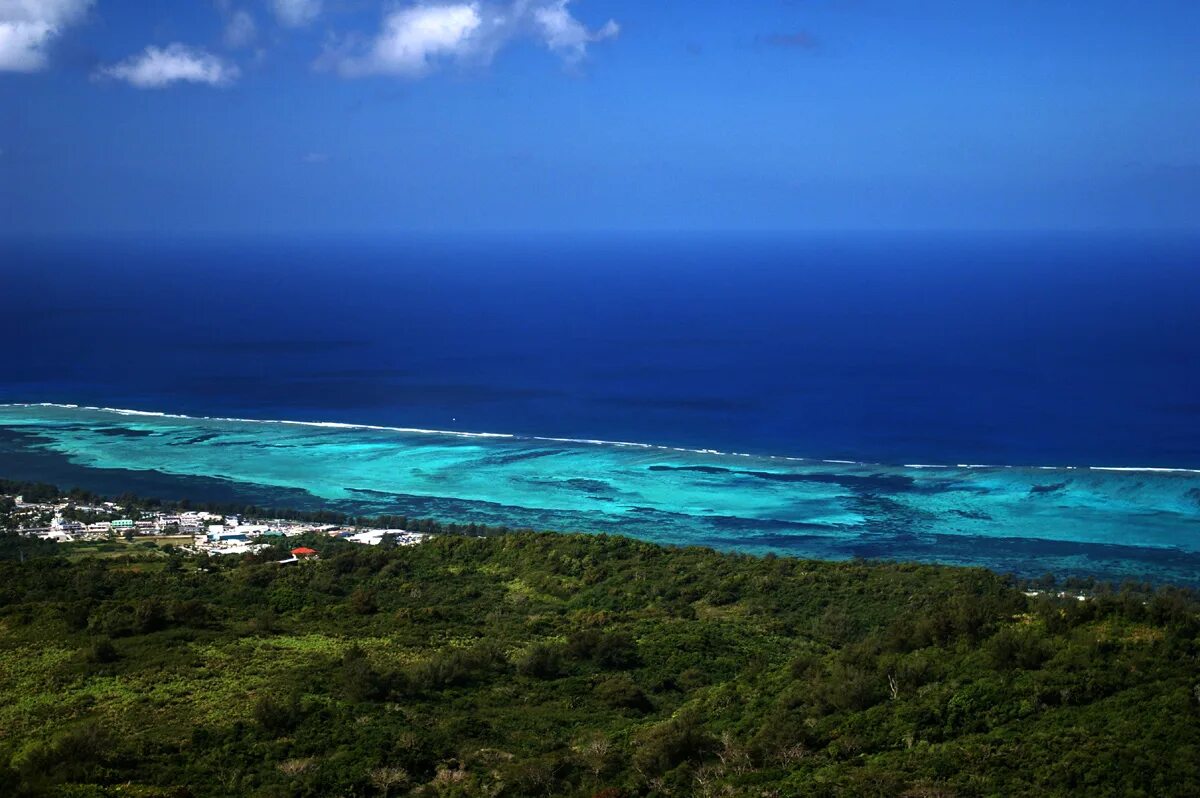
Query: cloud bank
x=157 y=68
x=414 y=40
x=28 y=27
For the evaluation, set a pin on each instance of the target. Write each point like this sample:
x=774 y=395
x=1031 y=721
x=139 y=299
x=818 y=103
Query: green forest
x=568 y=665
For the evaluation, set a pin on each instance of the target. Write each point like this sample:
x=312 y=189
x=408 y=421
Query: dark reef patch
x=376 y=493
x=581 y=484
x=736 y=522
x=975 y=515
x=124 y=432
x=516 y=457
x=208 y=436
x=890 y=483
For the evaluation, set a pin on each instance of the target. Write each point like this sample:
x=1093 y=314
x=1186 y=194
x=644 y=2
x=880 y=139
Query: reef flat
x=1109 y=522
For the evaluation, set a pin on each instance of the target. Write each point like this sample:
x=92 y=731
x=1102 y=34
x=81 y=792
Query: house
x=304 y=552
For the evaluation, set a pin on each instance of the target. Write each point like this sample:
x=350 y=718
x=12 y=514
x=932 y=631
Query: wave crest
x=590 y=441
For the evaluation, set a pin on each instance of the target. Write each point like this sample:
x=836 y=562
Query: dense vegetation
x=570 y=665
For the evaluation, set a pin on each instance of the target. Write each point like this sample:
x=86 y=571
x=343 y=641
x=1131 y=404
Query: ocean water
x=881 y=350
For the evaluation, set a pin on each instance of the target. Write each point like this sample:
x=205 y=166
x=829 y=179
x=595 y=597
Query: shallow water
x=1140 y=524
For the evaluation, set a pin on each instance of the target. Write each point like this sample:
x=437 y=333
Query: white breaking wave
x=123 y=412
x=322 y=424
x=588 y=441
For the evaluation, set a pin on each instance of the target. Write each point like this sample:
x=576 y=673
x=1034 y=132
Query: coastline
x=1108 y=524
x=598 y=442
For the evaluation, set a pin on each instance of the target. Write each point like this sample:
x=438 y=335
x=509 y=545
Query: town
x=65 y=521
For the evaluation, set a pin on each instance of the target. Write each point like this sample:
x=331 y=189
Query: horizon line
x=301 y=234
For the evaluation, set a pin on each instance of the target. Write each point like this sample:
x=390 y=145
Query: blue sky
x=354 y=116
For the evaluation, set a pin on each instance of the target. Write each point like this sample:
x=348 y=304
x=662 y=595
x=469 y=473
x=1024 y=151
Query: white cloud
x=240 y=29
x=156 y=68
x=415 y=39
x=296 y=13
x=27 y=27
x=566 y=35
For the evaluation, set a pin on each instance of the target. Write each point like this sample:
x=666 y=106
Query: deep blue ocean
x=1024 y=349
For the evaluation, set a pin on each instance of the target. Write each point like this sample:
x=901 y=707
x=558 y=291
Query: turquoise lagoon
x=1113 y=523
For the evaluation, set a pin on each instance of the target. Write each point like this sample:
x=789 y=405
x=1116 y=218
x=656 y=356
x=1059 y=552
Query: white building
x=373 y=537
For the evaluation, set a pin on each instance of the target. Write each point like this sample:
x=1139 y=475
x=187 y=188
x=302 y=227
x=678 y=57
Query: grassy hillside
x=581 y=666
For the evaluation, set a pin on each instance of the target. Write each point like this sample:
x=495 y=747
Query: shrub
x=71 y=756
x=851 y=688
x=621 y=692
x=1010 y=648
x=459 y=667
x=364 y=602
x=611 y=651
x=542 y=662
x=102 y=652
x=149 y=616
x=192 y=612
x=360 y=681
x=667 y=745
x=277 y=716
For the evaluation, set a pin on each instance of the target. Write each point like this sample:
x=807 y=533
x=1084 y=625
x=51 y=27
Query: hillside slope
x=539 y=664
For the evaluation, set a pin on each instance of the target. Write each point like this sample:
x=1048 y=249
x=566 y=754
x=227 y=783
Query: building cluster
x=234 y=537
x=210 y=533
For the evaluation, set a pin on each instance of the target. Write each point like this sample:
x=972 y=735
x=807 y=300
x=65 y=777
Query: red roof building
x=304 y=551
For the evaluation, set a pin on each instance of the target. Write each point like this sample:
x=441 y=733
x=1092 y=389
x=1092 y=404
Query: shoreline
x=1161 y=470
x=1107 y=526
x=327 y=515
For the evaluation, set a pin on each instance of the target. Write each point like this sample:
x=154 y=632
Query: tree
x=360 y=681
x=364 y=602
